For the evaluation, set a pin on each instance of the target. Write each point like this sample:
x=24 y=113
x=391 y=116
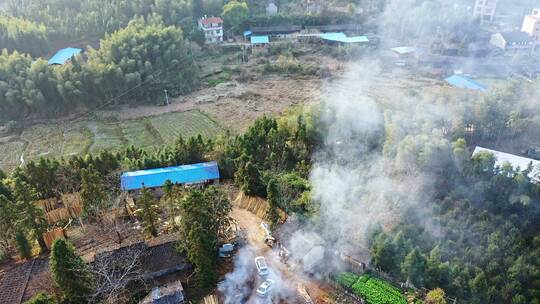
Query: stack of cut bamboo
x=55 y=211
x=52 y=235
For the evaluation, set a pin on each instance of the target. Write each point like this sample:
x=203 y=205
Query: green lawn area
x=186 y=124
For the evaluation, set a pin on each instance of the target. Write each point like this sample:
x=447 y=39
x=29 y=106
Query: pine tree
x=23 y=246
x=30 y=216
x=148 y=212
x=272 y=213
x=93 y=193
x=204 y=218
x=70 y=273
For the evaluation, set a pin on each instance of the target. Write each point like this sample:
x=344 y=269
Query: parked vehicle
x=262 y=267
x=265 y=288
x=226 y=250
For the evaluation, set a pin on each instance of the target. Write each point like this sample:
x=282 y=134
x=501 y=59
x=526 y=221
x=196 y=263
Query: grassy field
x=65 y=140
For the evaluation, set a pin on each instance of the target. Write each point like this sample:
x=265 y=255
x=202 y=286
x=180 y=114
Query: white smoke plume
x=240 y=285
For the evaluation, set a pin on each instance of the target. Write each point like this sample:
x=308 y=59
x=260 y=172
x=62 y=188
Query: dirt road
x=250 y=224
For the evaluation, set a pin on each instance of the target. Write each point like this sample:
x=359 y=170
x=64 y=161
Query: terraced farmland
x=65 y=140
x=186 y=124
x=10 y=154
x=141 y=133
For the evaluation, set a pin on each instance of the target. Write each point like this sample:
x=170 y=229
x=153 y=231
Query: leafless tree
x=116 y=271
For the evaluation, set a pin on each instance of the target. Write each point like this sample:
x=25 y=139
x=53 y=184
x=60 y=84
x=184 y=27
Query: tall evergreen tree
x=30 y=216
x=148 y=211
x=70 y=273
x=94 y=195
x=204 y=218
x=272 y=213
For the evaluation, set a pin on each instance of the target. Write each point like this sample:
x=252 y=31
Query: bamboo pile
x=73 y=203
x=47 y=204
x=55 y=211
x=212 y=299
x=57 y=215
x=52 y=235
x=255 y=205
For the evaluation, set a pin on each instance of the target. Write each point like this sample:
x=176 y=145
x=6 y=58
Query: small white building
x=513 y=41
x=485 y=10
x=212 y=28
x=531 y=24
x=271 y=8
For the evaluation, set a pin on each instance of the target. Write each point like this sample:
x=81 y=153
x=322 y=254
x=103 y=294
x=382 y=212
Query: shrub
x=41 y=298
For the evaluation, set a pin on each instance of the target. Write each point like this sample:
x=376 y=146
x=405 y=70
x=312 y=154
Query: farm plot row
x=56 y=141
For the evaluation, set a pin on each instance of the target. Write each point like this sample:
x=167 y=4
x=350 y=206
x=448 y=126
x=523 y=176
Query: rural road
x=249 y=223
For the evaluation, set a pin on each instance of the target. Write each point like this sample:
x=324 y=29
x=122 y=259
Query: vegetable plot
x=373 y=290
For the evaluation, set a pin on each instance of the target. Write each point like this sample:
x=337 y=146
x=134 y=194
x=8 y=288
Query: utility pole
x=166 y=97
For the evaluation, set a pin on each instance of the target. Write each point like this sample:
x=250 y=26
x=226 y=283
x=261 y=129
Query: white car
x=262 y=267
x=265 y=288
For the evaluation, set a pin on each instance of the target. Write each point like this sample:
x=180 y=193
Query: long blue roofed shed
x=463 y=82
x=64 y=55
x=187 y=174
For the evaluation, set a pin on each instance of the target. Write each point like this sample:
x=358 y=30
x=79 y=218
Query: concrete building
x=212 y=28
x=531 y=24
x=513 y=41
x=485 y=10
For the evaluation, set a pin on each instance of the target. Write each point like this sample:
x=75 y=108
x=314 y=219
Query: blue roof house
x=63 y=55
x=260 y=40
x=463 y=82
x=186 y=174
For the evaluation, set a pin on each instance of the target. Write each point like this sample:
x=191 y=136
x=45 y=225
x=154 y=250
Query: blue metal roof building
x=260 y=40
x=341 y=37
x=187 y=174
x=465 y=83
x=64 y=55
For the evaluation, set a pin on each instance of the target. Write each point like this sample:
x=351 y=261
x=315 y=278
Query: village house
x=485 y=10
x=513 y=41
x=212 y=28
x=531 y=24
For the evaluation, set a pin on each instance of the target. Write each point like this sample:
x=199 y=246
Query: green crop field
x=69 y=139
x=371 y=289
x=186 y=124
x=107 y=136
x=140 y=133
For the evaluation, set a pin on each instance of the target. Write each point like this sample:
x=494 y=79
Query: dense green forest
x=23 y=35
x=132 y=64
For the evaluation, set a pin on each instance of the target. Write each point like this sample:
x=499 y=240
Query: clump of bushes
x=290 y=66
